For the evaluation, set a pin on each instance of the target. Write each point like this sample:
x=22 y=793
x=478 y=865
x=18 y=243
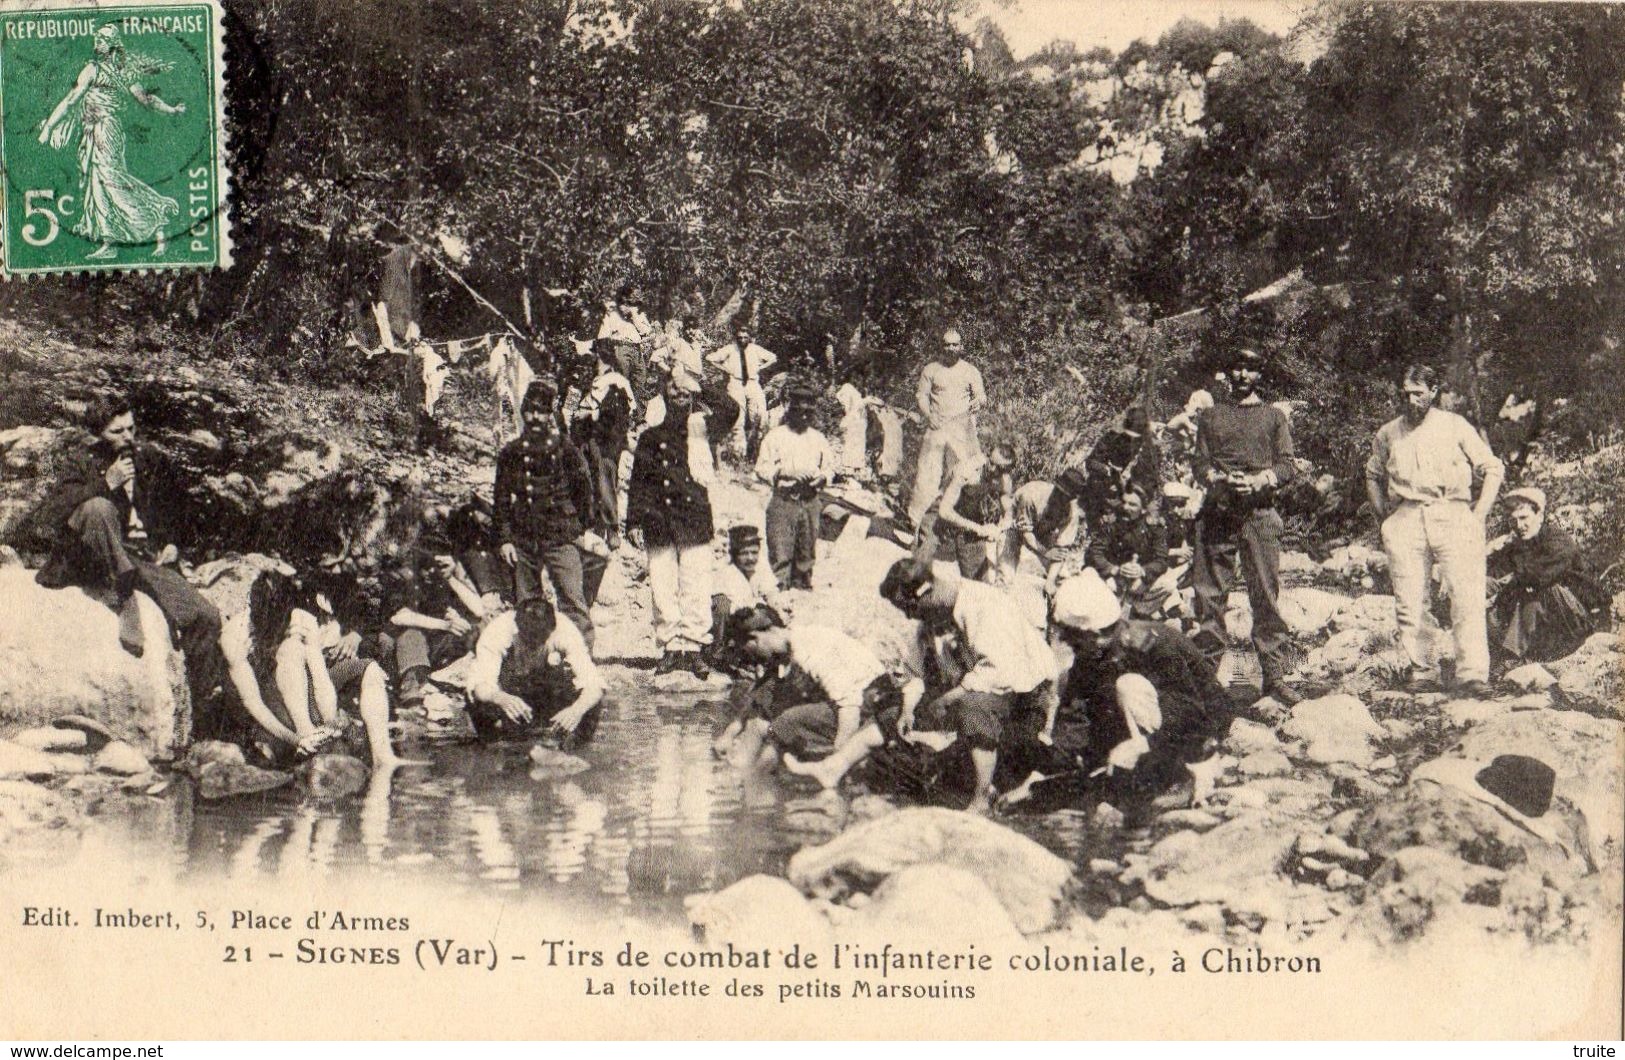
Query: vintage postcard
x=811 y=520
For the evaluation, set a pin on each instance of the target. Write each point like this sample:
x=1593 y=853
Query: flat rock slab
x=1335 y=728
x=933 y=906
x=757 y=911
x=1220 y=865
x=1027 y=879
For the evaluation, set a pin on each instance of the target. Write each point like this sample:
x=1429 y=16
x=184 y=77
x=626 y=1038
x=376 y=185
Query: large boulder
x=1592 y=672
x=757 y=911
x=1028 y=880
x=1449 y=819
x=61 y=655
x=1335 y=728
x=1587 y=753
x=1236 y=865
x=934 y=905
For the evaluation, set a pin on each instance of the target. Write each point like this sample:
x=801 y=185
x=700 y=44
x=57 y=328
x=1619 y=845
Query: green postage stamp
x=112 y=136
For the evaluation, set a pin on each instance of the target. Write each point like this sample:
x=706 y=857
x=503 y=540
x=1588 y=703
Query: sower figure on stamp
x=109 y=518
x=1243 y=454
x=797 y=461
x=544 y=503
x=1419 y=481
x=116 y=206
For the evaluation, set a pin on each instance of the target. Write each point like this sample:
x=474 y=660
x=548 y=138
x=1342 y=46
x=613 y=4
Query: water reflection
x=655 y=818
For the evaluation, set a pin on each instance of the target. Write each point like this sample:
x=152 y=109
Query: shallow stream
x=655 y=818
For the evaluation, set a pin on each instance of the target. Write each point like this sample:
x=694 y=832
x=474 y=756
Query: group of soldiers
x=627 y=447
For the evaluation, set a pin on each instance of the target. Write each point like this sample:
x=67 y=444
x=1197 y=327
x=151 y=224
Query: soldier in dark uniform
x=1243 y=455
x=1125 y=457
x=544 y=501
x=1131 y=546
x=668 y=513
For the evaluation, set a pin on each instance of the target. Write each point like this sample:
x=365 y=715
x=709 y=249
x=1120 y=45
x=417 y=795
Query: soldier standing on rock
x=1419 y=481
x=1243 y=455
x=107 y=516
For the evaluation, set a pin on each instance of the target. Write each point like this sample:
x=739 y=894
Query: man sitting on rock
x=740 y=584
x=1152 y=701
x=1006 y=698
x=108 y=517
x=529 y=669
x=855 y=703
x=436 y=612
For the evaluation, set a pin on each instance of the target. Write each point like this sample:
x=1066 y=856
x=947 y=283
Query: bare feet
x=817 y=769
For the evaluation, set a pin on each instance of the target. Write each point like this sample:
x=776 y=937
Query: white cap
x=1086 y=603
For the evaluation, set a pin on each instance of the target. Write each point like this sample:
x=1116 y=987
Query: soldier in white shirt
x=949 y=395
x=743 y=362
x=855 y=703
x=797 y=461
x=531 y=670
x=1007 y=697
x=1419 y=481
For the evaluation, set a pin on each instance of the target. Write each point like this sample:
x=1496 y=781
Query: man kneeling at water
x=856 y=704
x=530 y=668
x=1005 y=702
x=1153 y=702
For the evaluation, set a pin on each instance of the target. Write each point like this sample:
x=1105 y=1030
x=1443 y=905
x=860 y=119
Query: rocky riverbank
x=1353 y=815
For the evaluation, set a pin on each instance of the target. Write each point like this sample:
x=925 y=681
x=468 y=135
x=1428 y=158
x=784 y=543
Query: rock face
x=1027 y=879
x=1334 y=729
x=934 y=905
x=757 y=911
x=1307 y=611
x=65 y=658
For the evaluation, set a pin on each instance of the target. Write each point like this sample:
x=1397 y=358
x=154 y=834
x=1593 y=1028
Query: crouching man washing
x=529 y=669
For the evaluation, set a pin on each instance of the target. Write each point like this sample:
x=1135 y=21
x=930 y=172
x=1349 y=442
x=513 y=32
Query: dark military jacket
x=663 y=498
x=544 y=492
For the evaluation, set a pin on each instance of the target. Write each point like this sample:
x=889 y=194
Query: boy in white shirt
x=797 y=461
x=853 y=702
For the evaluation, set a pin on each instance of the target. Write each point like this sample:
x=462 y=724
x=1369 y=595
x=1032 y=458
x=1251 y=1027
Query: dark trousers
x=576 y=576
x=969 y=551
x=792 y=538
x=1251 y=539
x=96 y=555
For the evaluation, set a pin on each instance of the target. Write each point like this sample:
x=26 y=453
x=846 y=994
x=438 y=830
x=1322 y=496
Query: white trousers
x=957 y=436
x=752 y=403
x=1448 y=535
x=680 y=580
